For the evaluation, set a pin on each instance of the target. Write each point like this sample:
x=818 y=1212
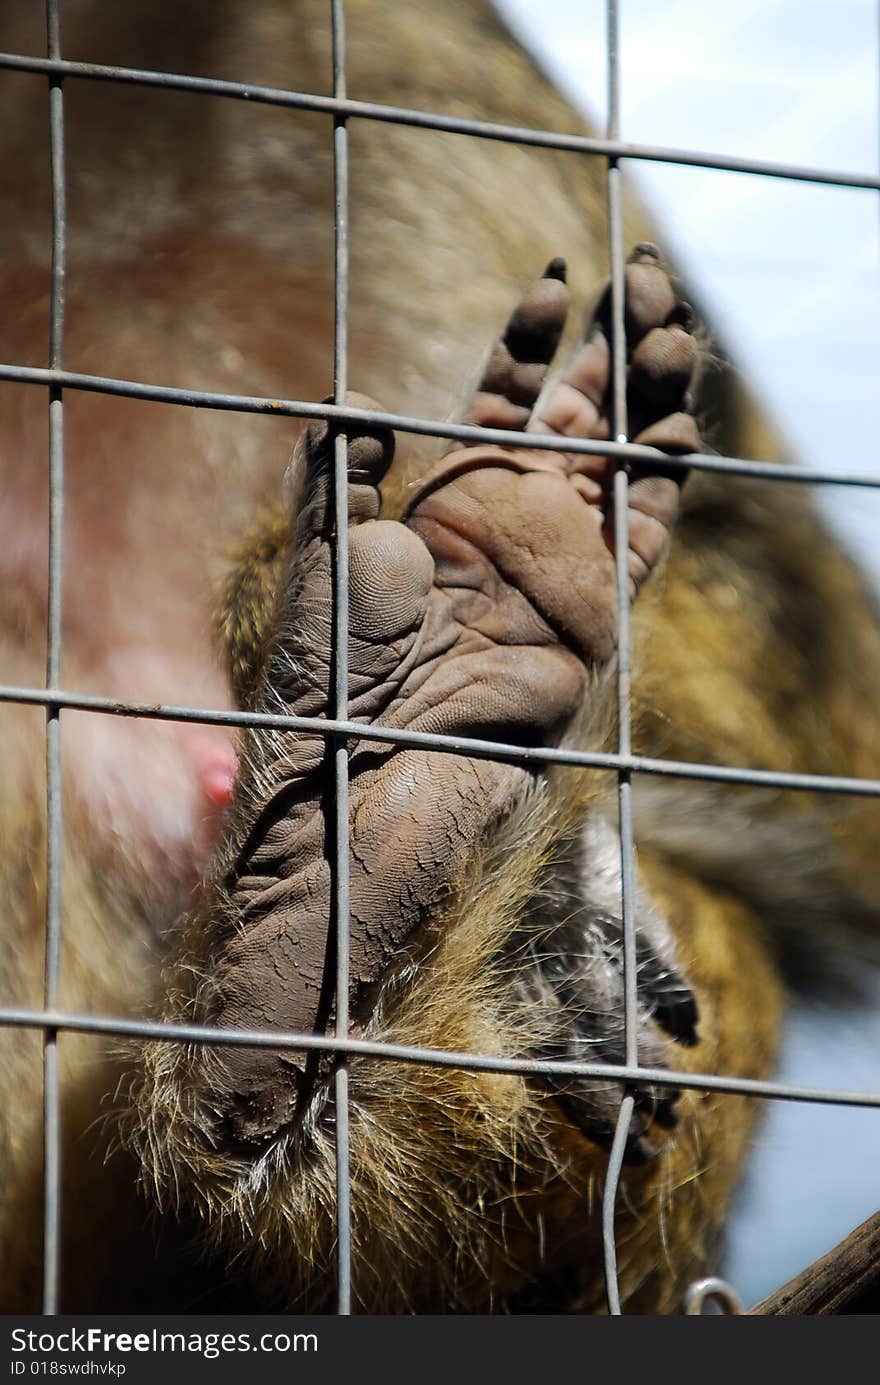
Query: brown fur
x=757 y=648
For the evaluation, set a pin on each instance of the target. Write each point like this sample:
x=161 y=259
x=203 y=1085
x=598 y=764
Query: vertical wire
x=54 y=822
x=340 y=663
x=619 y=428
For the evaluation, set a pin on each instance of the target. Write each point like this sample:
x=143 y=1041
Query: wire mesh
x=624 y=764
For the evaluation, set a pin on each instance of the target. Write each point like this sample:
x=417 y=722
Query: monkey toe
x=370 y=452
x=593 y=1109
x=667 y=998
x=650 y=296
x=518 y=365
x=576 y=985
x=676 y=1011
x=662 y=367
x=664 y=358
x=658 y=1106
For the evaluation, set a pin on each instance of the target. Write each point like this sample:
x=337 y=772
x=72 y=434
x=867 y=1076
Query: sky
x=791 y=273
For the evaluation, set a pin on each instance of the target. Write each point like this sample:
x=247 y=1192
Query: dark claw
x=660 y=1109
x=649 y=1110
x=644 y=251
x=639 y=1148
x=595 y=1115
x=683 y=316
x=668 y=999
x=557 y=269
x=677 y=1012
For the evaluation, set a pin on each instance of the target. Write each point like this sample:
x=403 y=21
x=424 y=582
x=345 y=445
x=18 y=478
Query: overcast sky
x=791 y=273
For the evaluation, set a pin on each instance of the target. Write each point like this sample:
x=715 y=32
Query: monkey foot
x=578 y=990
x=488 y=612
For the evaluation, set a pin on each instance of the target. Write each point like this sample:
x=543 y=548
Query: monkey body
x=755 y=647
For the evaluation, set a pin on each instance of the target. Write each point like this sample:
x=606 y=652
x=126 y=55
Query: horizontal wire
x=408 y=423
x=427 y=120
x=13 y=1017
x=455 y=745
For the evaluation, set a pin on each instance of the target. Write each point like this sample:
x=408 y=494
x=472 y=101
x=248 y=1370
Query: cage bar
x=54 y=813
x=20 y=1018
x=340 y=863
x=426 y=427
x=620 y=433
x=427 y=120
x=426 y=740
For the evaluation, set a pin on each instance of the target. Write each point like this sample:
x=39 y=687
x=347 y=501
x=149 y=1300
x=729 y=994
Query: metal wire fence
x=624 y=763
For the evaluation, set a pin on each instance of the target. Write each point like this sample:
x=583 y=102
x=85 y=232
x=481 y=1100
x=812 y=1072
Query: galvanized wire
x=340 y=863
x=620 y=434
x=426 y=427
x=376 y=1050
x=338 y=730
x=54 y=819
x=427 y=120
x=462 y=745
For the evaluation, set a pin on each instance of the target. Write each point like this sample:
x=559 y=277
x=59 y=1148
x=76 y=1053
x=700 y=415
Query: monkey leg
x=489 y=611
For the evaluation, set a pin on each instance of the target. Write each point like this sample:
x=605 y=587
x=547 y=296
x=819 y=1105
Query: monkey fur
x=200 y=256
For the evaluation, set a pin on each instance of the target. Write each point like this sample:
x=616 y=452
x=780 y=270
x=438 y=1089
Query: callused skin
x=489 y=611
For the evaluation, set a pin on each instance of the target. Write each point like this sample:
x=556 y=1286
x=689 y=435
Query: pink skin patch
x=216 y=768
x=152 y=793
